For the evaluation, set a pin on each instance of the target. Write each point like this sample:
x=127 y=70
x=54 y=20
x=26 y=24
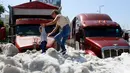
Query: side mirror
x=126 y=35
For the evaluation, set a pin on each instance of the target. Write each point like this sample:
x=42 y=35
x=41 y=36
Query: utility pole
x=100 y=8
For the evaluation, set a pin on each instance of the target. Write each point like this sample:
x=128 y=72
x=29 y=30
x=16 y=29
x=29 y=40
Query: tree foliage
x=2 y=9
x=1 y=23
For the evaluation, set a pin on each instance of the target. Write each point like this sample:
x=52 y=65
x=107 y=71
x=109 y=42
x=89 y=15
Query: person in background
x=62 y=22
x=43 y=36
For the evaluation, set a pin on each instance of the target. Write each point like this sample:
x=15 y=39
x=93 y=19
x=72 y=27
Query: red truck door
x=2 y=33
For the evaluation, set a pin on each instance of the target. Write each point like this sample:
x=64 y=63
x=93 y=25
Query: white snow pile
x=9 y=49
x=53 y=62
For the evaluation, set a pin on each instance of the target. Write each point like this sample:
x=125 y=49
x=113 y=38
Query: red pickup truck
x=98 y=35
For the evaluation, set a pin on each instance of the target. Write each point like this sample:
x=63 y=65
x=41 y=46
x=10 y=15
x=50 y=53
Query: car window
x=103 y=32
x=33 y=29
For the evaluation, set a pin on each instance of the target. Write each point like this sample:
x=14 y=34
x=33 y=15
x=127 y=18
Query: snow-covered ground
x=54 y=62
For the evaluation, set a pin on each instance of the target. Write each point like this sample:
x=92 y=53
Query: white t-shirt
x=43 y=35
x=62 y=21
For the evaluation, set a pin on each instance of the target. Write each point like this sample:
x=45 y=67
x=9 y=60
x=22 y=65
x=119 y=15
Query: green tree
x=2 y=9
x=1 y=23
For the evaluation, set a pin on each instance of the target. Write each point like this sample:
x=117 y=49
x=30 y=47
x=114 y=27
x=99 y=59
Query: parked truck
x=98 y=35
x=25 y=20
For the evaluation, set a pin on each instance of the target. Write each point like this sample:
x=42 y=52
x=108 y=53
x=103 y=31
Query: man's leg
x=64 y=40
x=58 y=38
x=63 y=44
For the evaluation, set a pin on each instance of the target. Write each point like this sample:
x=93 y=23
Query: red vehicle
x=25 y=20
x=98 y=35
x=2 y=33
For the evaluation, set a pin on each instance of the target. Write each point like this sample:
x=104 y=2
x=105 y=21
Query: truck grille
x=112 y=51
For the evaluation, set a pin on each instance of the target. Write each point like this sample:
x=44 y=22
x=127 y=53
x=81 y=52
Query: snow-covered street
x=54 y=62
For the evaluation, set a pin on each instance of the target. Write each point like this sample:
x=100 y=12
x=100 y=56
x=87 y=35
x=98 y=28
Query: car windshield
x=103 y=32
x=32 y=29
x=27 y=30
